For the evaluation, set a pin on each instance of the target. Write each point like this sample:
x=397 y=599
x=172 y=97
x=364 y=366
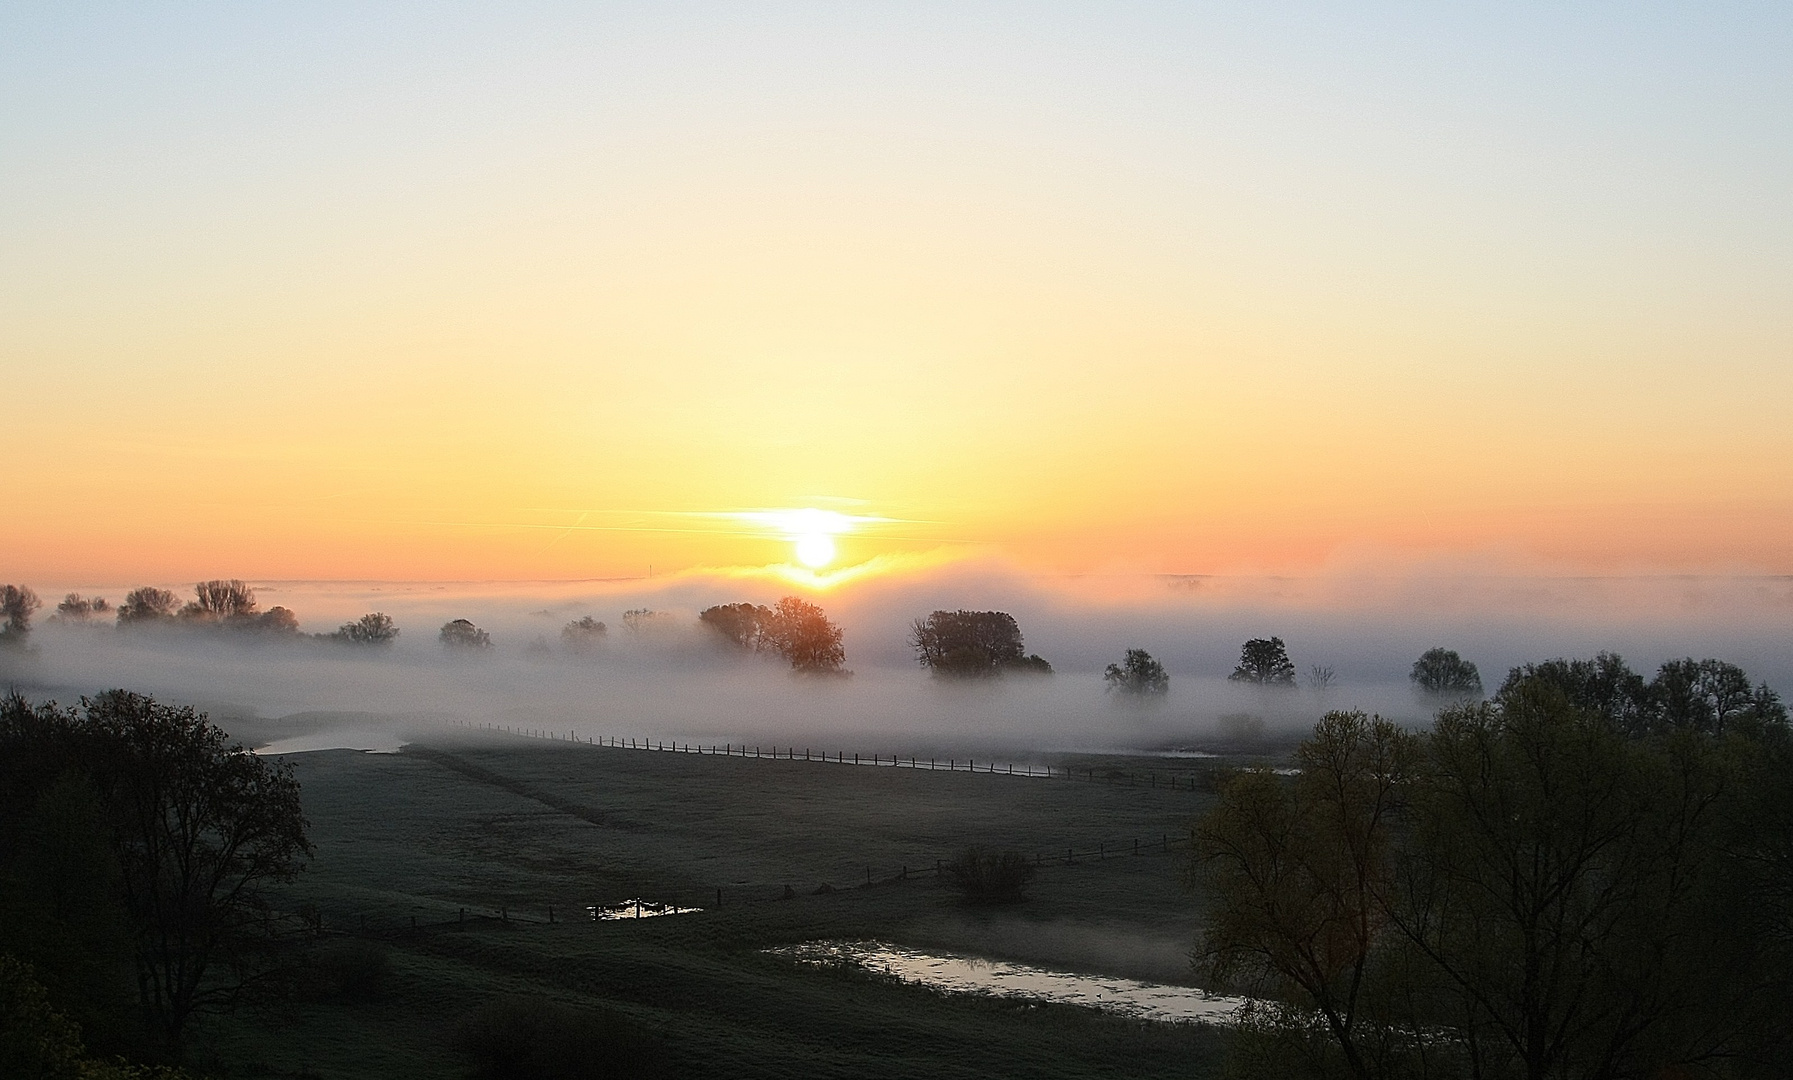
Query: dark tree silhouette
x=198 y=827
x=77 y=608
x=1442 y=673
x=1139 y=675
x=17 y=603
x=803 y=634
x=462 y=634
x=147 y=605
x=972 y=644
x=275 y=620
x=375 y=629
x=744 y=625
x=1264 y=661
x=985 y=876
x=1707 y=696
x=219 y=600
x=583 y=635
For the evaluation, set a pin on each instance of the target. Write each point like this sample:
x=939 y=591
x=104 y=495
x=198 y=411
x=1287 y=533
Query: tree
x=1321 y=677
x=17 y=603
x=745 y=626
x=1525 y=890
x=374 y=630
x=803 y=634
x=1264 y=661
x=643 y=621
x=1442 y=673
x=1605 y=687
x=1709 y=696
x=198 y=827
x=583 y=635
x=972 y=644
x=77 y=608
x=1138 y=675
x=1297 y=870
x=220 y=600
x=147 y=605
x=461 y=634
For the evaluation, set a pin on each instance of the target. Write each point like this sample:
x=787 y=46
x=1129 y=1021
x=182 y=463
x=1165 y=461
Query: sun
x=815 y=550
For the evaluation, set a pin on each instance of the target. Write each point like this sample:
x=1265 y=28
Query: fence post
x=550 y=914
x=1136 y=845
x=718 y=897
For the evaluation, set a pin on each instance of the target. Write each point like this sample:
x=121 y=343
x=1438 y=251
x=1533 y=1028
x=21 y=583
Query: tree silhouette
x=375 y=629
x=583 y=635
x=1442 y=673
x=1264 y=661
x=972 y=644
x=147 y=605
x=461 y=634
x=220 y=599
x=17 y=603
x=803 y=634
x=1138 y=675
x=746 y=626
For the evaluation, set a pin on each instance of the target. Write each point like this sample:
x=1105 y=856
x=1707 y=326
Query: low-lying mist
x=675 y=679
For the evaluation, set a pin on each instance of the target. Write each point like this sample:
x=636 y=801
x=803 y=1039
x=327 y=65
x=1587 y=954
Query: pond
x=1002 y=978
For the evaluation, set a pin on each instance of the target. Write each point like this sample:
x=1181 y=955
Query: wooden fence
x=1149 y=779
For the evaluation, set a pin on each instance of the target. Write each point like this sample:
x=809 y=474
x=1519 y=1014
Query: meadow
x=469 y=861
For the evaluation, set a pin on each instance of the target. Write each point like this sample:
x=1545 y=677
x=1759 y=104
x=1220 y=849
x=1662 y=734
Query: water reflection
x=970 y=974
x=637 y=909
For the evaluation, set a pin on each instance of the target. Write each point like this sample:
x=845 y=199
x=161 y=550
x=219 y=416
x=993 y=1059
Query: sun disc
x=815 y=550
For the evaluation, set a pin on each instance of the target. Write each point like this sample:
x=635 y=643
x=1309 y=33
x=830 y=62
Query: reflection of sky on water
x=969 y=974
x=637 y=909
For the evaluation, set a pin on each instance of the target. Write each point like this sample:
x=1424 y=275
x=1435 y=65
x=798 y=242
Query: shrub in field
x=530 y=1039
x=986 y=876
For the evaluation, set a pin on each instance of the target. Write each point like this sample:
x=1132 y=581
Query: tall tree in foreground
x=1265 y=662
x=197 y=827
x=1525 y=890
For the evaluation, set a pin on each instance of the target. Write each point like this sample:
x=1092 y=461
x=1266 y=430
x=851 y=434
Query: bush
x=530 y=1039
x=985 y=876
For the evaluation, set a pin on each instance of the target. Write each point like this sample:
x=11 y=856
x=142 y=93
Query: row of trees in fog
x=1587 y=875
x=956 y=644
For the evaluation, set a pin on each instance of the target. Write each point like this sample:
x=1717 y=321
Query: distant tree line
x=1587 y=875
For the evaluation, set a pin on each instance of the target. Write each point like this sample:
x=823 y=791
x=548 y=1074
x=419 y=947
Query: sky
x=567 y=291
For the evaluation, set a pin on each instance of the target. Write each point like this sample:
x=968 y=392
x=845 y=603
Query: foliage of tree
x=802 y=633
x=640 y=621
x=1137 y=675
x=1528 y=889
x=17 y=603
x=220 y=599
x=987 y=876
x=746 y=626
x=462 y=634
x=374 y=629
x=583 y=635
x=147 y=605
x=1707 y=696
x=972 y=644
x=1264 y=661
x=1442 y=673
x=37 y=1042
x=196 y=826
x=77 y=608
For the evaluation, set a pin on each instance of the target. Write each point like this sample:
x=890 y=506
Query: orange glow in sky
x=556 y=292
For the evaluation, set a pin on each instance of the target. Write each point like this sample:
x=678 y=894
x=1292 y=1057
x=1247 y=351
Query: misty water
x=1001 y=978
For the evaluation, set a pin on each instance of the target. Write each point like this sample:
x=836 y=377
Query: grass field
x=507 y=829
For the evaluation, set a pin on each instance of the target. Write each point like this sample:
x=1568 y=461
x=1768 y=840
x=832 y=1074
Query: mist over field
x=678 y=680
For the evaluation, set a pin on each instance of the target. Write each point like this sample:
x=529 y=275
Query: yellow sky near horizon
x=501 y=298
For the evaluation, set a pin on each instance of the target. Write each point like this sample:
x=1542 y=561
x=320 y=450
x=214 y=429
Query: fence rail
x=1149 y=779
